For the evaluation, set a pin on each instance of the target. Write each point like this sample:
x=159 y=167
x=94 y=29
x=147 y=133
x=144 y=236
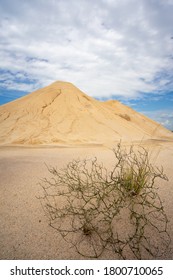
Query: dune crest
x=61 y=114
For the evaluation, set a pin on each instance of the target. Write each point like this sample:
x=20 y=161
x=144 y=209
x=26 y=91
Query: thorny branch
x=84 y=202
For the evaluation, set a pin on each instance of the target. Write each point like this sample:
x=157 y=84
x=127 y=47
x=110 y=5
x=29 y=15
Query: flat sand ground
x=24 y=229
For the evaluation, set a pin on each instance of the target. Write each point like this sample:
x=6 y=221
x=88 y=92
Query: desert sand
x=61 y=114
x=55 y=125
x=24 y=229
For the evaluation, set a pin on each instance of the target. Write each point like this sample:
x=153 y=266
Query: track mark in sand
x=14 y=125
x=101 y=123
x=125 y=116
x=46 y=105
x=46 y=118
x=8 y=114
x=79 y=101
x=86 y=105
x=86 y=98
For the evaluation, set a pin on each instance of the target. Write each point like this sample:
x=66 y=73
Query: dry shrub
x=96 y=209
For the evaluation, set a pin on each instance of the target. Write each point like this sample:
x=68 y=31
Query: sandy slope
x=24 y=231
x=61 y=114
x=47 y=120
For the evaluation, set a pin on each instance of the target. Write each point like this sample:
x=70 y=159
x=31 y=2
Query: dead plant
x=88 y=204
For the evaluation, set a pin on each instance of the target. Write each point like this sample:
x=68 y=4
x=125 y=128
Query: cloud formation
x=108 y=48
x=105 y=47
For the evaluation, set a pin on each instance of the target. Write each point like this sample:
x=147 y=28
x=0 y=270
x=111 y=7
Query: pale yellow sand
x=55 y=125
x=24 y=230
x=61 y=114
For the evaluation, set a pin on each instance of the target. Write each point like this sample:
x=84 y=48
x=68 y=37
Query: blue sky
x=119 y=49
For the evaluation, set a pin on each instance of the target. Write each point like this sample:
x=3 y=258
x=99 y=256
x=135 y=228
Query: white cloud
x=104 y=47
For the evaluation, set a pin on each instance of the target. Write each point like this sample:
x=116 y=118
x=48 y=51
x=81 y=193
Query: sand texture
x=24 y=229
x=60 y=114
x=54 y=125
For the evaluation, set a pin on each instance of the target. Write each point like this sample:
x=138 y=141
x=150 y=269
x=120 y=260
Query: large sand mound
x=62 y=114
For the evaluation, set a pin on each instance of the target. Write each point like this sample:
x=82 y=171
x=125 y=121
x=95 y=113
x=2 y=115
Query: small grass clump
x=135 y=171
x=118 y=210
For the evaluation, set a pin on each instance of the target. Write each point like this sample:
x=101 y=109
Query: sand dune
x=45 y=120
x=61 y=114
